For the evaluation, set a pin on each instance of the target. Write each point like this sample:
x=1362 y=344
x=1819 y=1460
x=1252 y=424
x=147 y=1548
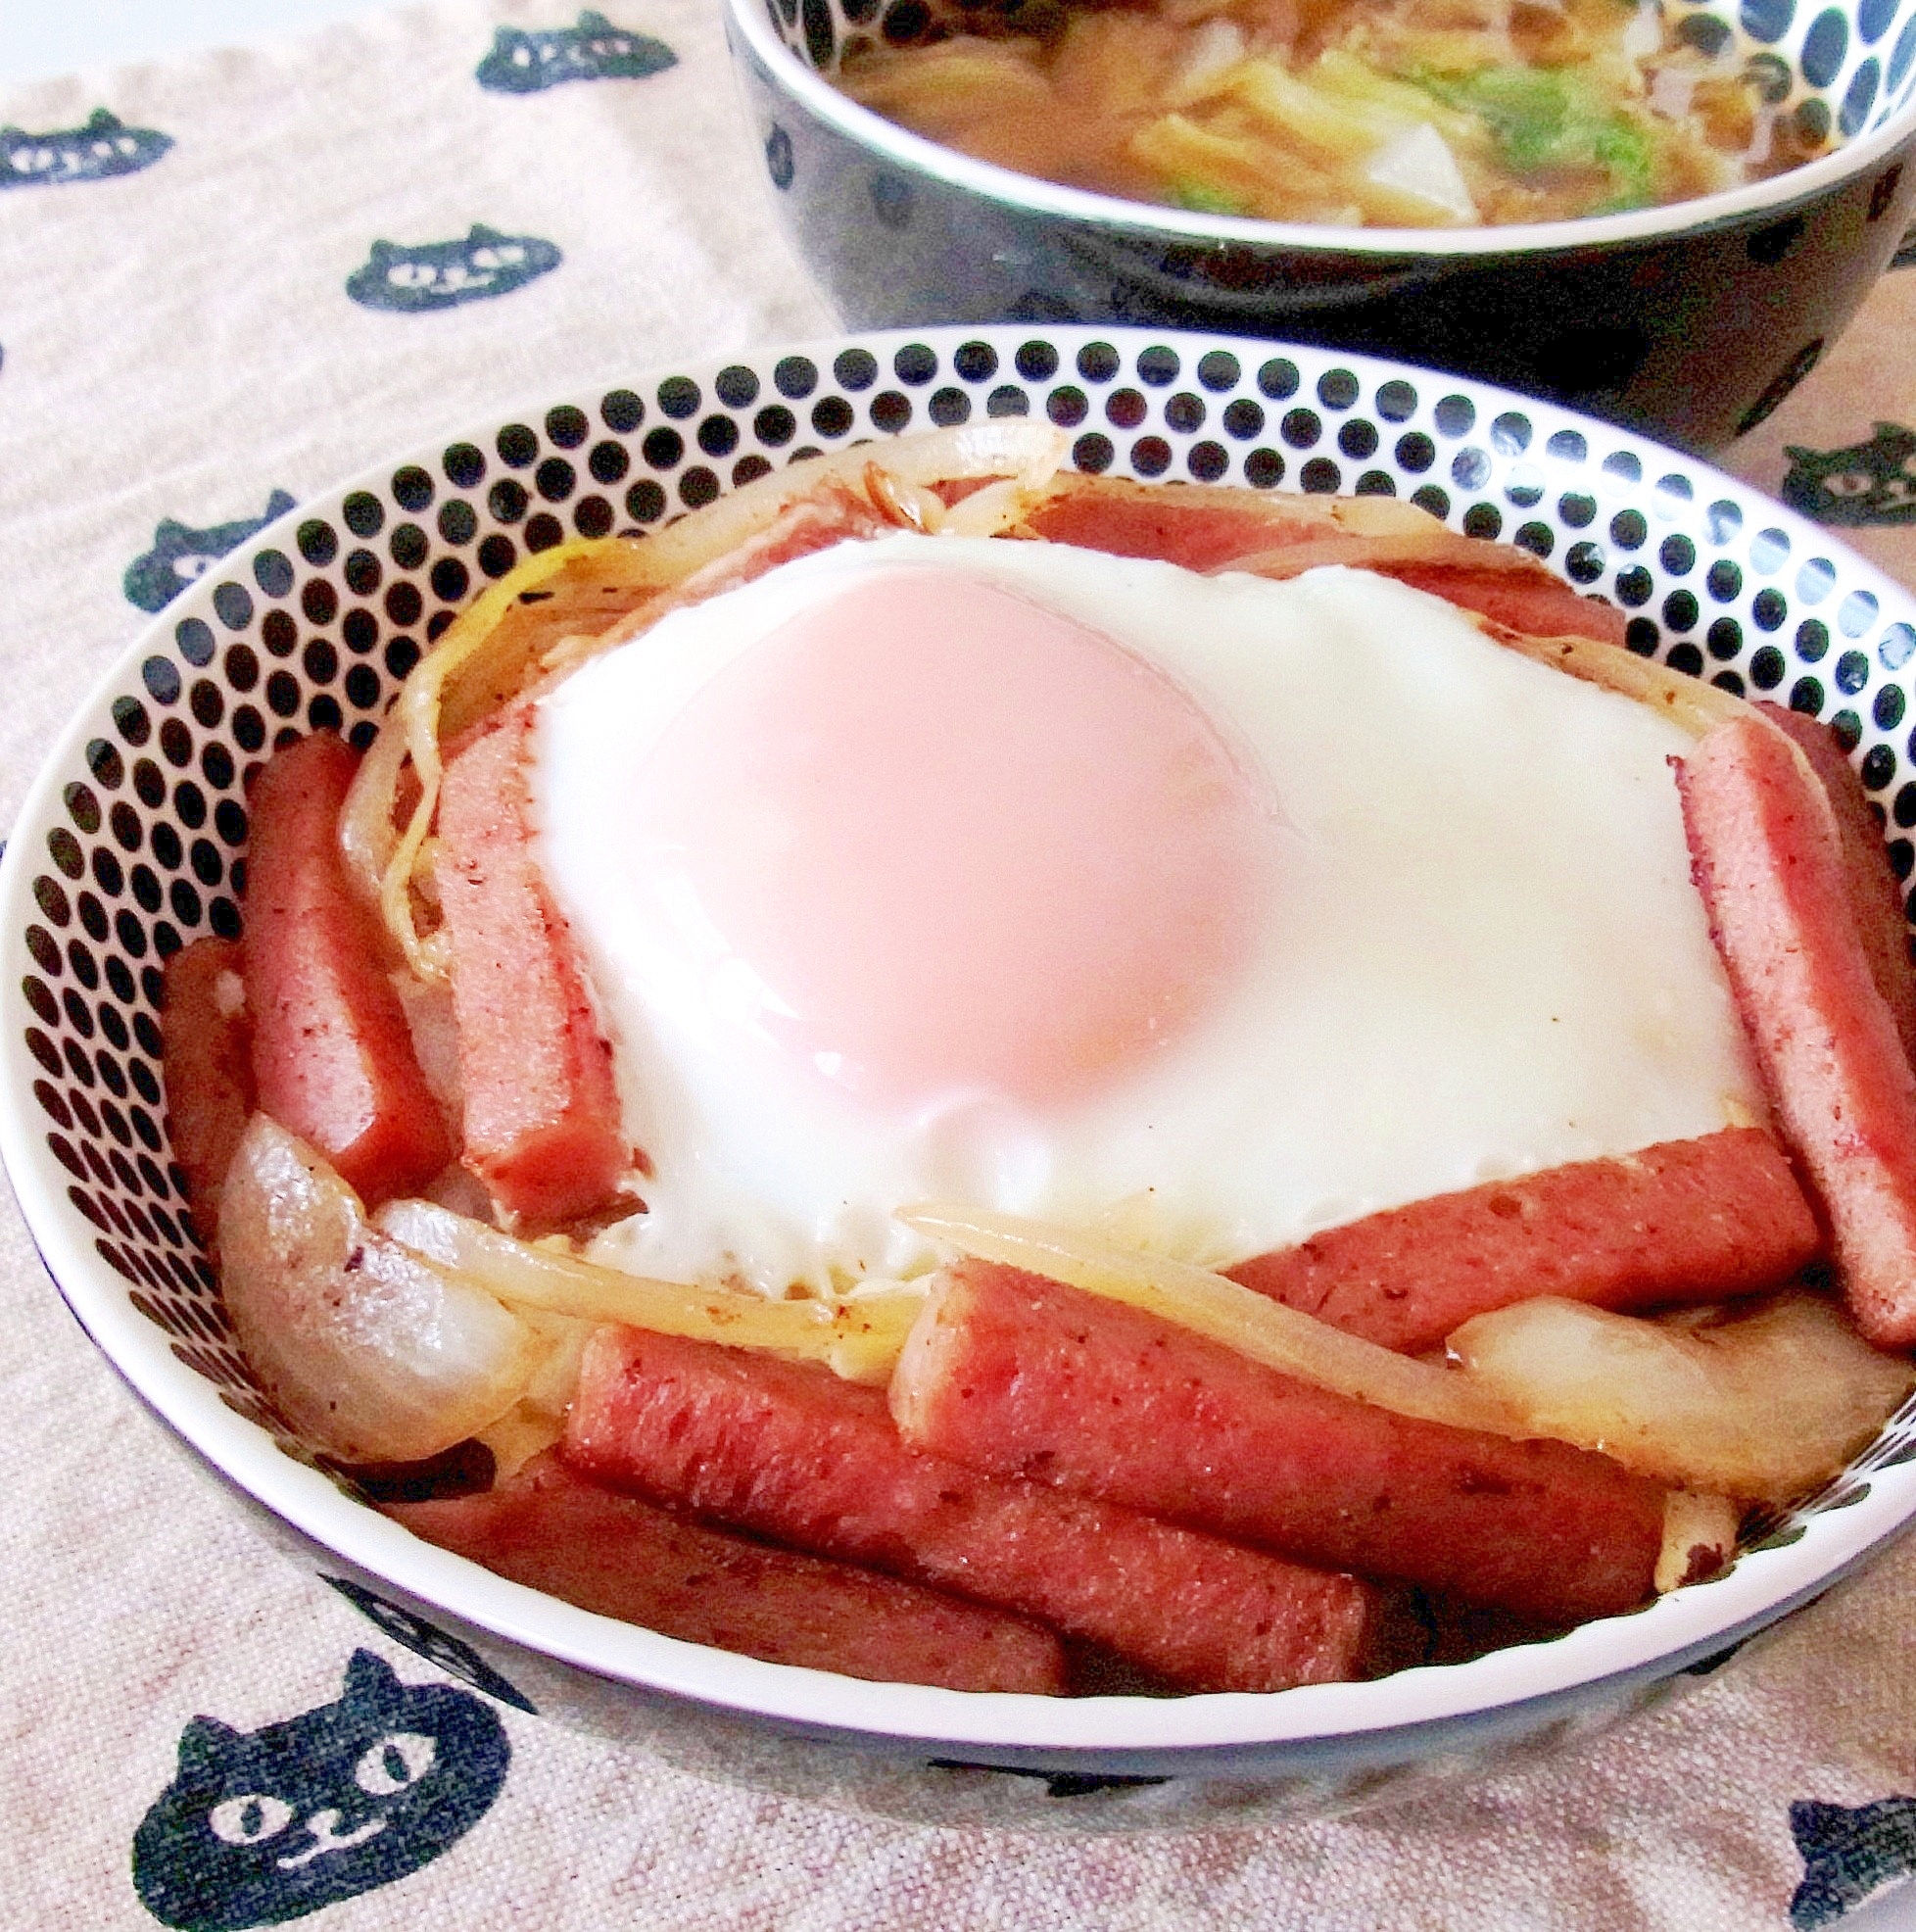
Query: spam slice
x=542 y=1126
x=1218 y=528
x=205 y=1056
x=1768 y=859
x=1689 y=1220
x=1875 y=898
x=332 y=1057
x=555 y=1531
x=788 y=1451
x=1022 y=1377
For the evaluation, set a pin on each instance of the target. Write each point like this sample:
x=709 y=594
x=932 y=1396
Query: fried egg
x=1204 y=911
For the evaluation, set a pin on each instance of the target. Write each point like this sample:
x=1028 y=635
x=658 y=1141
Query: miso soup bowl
x=1691 y=321
x=132 y=844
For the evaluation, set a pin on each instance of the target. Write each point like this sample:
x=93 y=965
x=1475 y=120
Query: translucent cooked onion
x=370 y=1351
x=1700 y=1536
x=1210 y=1305
x=1761 y=1406
x=858 y=1336
x=1025 y=455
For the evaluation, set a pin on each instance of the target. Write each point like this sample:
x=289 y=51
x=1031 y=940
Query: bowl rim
x=1183 y=1736
x=1028 y=194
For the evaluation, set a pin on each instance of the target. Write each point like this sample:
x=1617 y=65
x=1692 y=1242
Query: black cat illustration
x=528 y=63
x=181 y=555
x=1848 y=1854
x=104 y=147
x=442 y=274
x=1873 y=482
x=258 y=1828
x=453 y=1655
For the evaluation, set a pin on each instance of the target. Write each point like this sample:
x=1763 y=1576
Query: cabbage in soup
x=1351 y=113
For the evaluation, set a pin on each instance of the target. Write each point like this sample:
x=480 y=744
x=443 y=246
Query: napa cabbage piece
x=373 y=1353
x=1763 y=1405
x=1547 y=119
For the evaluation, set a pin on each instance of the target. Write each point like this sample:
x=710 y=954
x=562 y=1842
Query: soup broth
x=1349 y=112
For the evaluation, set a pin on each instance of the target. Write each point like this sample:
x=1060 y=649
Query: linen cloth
x=175 y=346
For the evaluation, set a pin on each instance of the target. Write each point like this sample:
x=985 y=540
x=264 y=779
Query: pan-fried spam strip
x=1219 y=528
x=1020 y=1375
x=1691 y=1221
x=555 y=1531
x=1768 y=860
x=206 y=1058
x=333 y=1059
x=541 y=1123
x=784 y=1450
x=1875 y=898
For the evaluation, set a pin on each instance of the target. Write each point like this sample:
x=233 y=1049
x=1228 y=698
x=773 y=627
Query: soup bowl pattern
x=134 y=842
x=1690 y=322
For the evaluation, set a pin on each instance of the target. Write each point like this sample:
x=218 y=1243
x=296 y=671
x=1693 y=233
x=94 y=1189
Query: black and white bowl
x=1690 y=322
x=133 y=841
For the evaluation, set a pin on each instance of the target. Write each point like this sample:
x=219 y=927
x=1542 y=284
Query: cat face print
x=181 y=554
x=105 y=146
x=527 y=62
x=1873 y=482
x=444 y=274
x=259 y=1827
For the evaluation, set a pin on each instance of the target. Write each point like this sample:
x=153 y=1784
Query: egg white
x=1486 y=956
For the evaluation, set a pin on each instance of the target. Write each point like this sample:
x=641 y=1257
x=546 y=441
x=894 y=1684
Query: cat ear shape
x=101 y=121
x=1815 y=1826
x=206 y=1748
x=590 y=22
x=371 y=1684
x=279 y=504
x=480 y=235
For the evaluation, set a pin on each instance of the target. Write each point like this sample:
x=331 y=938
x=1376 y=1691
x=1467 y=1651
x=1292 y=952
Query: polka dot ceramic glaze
x=1691 y=322
x=133 y=843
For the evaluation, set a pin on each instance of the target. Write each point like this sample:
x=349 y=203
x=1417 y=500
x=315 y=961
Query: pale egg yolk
x=935 y=840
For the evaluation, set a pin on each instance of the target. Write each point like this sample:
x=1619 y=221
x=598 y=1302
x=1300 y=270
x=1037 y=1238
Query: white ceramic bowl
x=134 y=836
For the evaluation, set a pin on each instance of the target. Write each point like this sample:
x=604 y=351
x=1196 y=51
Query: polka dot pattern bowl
x=134 y=842
x=1690 y=322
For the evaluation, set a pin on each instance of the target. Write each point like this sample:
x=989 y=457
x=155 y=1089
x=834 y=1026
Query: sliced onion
x=1761 y=1406
x=537 y=1420
x=370 y=1351
x=1210 y=1305
x=1026 y=454
x=859 y=1337
x=1700 y=1537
